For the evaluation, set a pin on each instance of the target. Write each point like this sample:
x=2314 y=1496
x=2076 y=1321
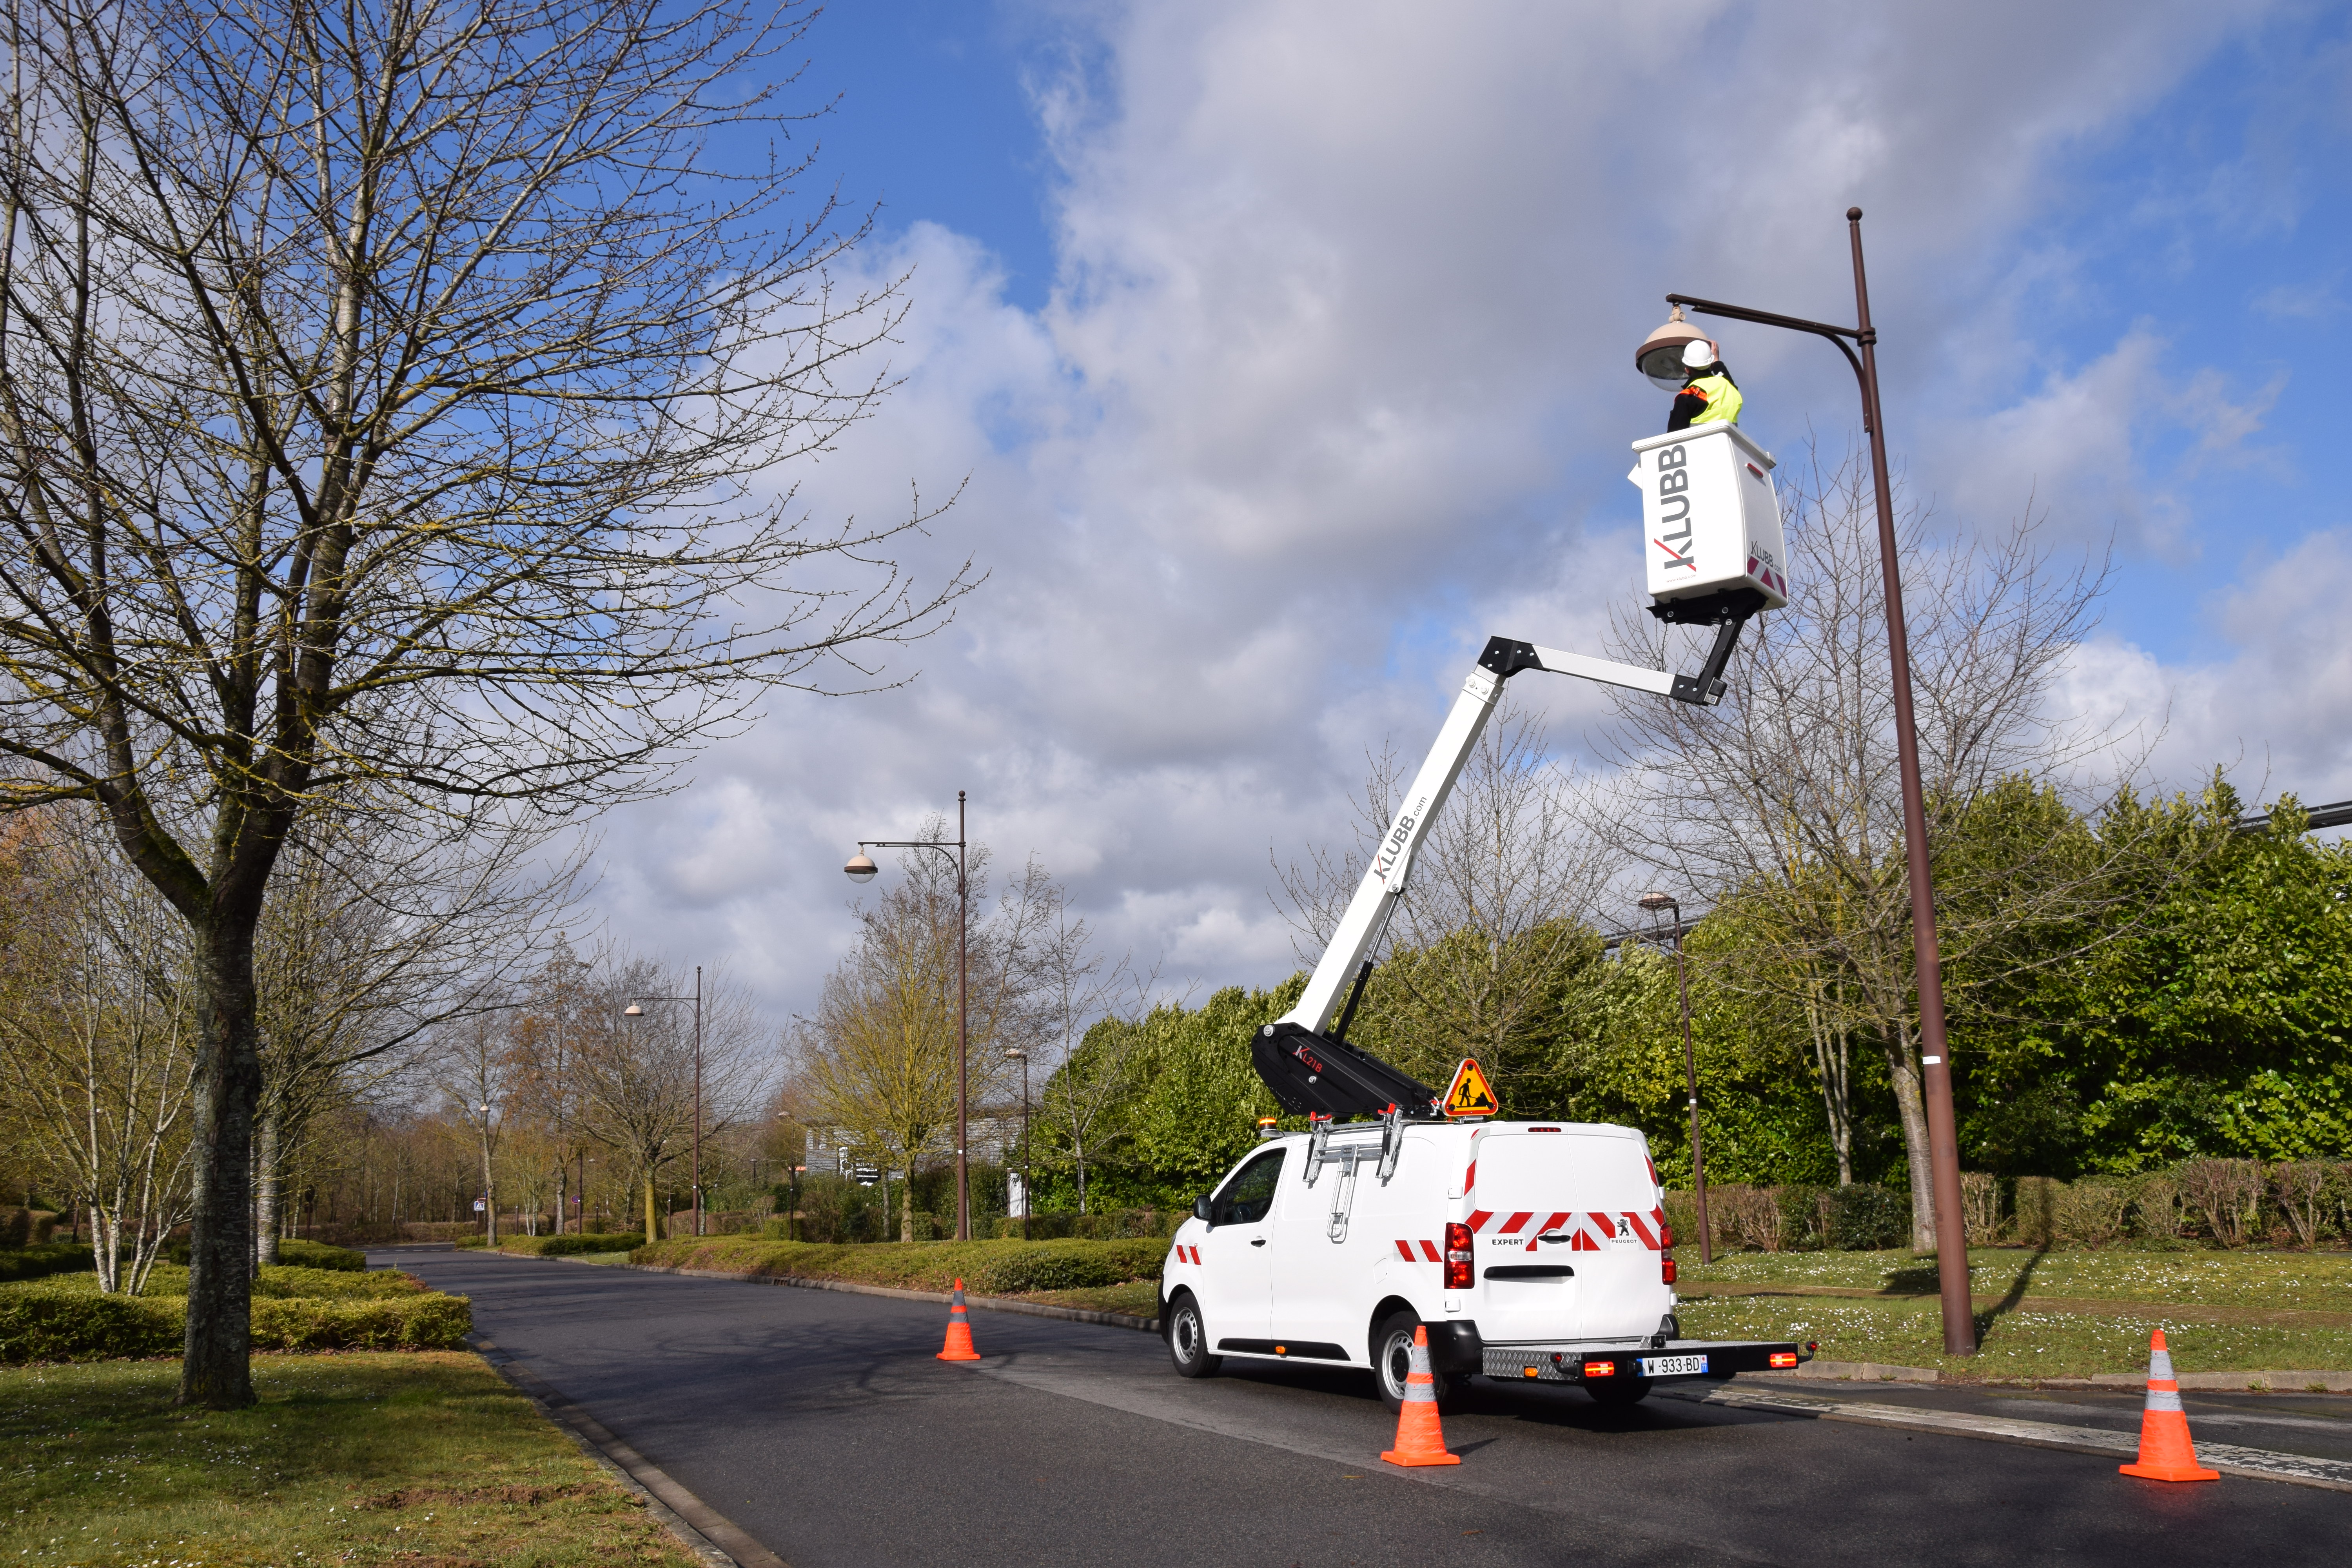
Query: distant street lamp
x=489 y=1190
x=634 y=1011
x=1653 y=902
x=1934 y=1064
x=1016 y=1054
x=861 y=868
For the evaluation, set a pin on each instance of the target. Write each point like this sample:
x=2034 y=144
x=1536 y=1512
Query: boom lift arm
x=1322 y=1075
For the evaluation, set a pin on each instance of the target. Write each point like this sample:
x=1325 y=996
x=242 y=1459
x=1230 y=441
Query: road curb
x=809 y=1282
x=702 y=1530
x=2260 y=1464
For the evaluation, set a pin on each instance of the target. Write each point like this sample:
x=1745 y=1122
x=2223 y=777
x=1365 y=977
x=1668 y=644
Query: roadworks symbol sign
x=1471 y=1094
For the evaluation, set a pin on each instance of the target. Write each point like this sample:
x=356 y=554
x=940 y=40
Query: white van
x=1531 y=1250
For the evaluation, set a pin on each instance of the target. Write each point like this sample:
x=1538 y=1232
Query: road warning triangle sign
x=1471 y=1094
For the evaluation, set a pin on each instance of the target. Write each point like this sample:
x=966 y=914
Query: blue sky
x=1283 y=350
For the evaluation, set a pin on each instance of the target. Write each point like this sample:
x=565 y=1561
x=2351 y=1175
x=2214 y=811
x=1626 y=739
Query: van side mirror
x=1201 y=1206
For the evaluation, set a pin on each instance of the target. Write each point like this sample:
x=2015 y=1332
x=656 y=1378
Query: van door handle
x=1259 y=1241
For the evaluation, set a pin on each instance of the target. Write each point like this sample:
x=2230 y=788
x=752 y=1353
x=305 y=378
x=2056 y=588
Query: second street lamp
x=1016 y=1054
x=1935 y=1065
x=1653 y=902
x=861 y=868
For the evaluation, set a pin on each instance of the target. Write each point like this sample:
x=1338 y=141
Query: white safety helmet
x=1698 y=353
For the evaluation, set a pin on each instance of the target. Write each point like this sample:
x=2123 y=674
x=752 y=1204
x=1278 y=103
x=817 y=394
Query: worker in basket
x=1710 y=396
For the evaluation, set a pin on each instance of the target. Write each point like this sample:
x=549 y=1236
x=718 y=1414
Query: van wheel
x=1188 y=1339
x=1619 y=1392
x=1392 y=1360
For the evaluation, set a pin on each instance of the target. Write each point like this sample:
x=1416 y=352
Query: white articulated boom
x=1315 y=1073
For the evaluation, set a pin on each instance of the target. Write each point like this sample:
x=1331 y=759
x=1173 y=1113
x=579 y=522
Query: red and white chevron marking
x=1588 y=1232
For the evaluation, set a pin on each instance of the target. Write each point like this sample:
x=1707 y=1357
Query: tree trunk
x=217 y=1371
x=1834 y=1066
x=266 y=1182
x=1911 y=1105
x=652 y=1220
x=906 y=1204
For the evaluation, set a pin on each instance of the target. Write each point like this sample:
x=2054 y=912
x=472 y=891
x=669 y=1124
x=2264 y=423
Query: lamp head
x=1653 y=902
x=632 y=1011
x=1016 y=1054
x=861 y=866
x=1660 y=357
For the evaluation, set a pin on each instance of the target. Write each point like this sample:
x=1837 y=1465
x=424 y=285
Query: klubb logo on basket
x=1673 y=506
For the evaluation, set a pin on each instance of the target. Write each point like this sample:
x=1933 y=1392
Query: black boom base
x=1314 y=1075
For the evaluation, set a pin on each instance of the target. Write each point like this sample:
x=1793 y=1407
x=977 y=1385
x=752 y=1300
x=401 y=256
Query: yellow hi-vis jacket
x=1723 y=400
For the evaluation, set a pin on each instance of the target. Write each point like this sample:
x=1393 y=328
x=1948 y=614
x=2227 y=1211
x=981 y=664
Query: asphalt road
x=822 y=1425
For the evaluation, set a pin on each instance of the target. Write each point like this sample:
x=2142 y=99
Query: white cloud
x=1335 y=381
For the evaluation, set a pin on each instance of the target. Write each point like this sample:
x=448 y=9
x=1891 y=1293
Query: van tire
x=1619 y=1392
x=1188 y=1339
x=1393 y=1357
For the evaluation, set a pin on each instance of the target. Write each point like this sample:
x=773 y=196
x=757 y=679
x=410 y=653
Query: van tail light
x=1666 y=1238
x=1665 y=1270
x=1784 y=1358
x=1601 y=1369
x=1458 y=1257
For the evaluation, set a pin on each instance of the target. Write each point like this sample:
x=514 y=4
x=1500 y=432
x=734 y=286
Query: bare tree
x=97 y=1045
x=370 y=935
x=636 y=1076
x=1092 y=1071
x=1491 y=928
x=1783 y=803
x=385 y=396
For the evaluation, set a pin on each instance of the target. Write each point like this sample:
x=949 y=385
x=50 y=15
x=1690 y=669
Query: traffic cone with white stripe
x=1419 y=1439
x=958 y=1345
x=2165 y=1454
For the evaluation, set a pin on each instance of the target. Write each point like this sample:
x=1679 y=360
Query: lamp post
x=1016 y=1054
x=489 y=1192
x=634 y=1011
x=1653 y=902
x=1936 y=1073
x=861 y=868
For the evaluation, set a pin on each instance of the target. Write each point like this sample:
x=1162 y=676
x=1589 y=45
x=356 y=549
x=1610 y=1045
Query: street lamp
x=1943 y=1142
x=861 y=868
x=634 y=1011
x=490 y=1190
x=1653 y=902
x=1016 y=1054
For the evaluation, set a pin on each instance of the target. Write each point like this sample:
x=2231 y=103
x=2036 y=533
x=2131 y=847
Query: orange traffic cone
x=1419 y=1441
x=958 y=1345
x=2166 y=1453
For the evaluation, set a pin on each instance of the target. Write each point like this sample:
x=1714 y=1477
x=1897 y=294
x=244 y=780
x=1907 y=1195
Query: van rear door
x=1566 y=1230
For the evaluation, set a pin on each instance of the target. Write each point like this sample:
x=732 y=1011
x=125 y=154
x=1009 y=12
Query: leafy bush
x=475 y=1240
x=1112 y=1225
x=569 y=1244
x=2091 y=1211
x=46 y=1322
x=21 y=1228
x=36 y=1262
x=298 y=1253
x=38 y=1324
x=1863 y=1218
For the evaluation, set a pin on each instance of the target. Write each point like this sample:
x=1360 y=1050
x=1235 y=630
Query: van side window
x=1251 y=1192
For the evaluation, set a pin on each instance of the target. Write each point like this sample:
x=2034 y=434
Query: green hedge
x=46 y=1324
x=986 y=1268
x=38 y=1262
x=297 y=1253
x=566 y=1245
x=292 y=1251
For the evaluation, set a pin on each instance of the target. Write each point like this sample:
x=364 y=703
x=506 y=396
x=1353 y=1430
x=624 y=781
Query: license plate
x=1672 y=1366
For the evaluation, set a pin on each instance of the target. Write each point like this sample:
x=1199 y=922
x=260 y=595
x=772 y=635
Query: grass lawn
x=2060 y=1314
x=423 y=1458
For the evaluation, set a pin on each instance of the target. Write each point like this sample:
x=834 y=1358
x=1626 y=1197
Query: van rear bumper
x=1558 y=1361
